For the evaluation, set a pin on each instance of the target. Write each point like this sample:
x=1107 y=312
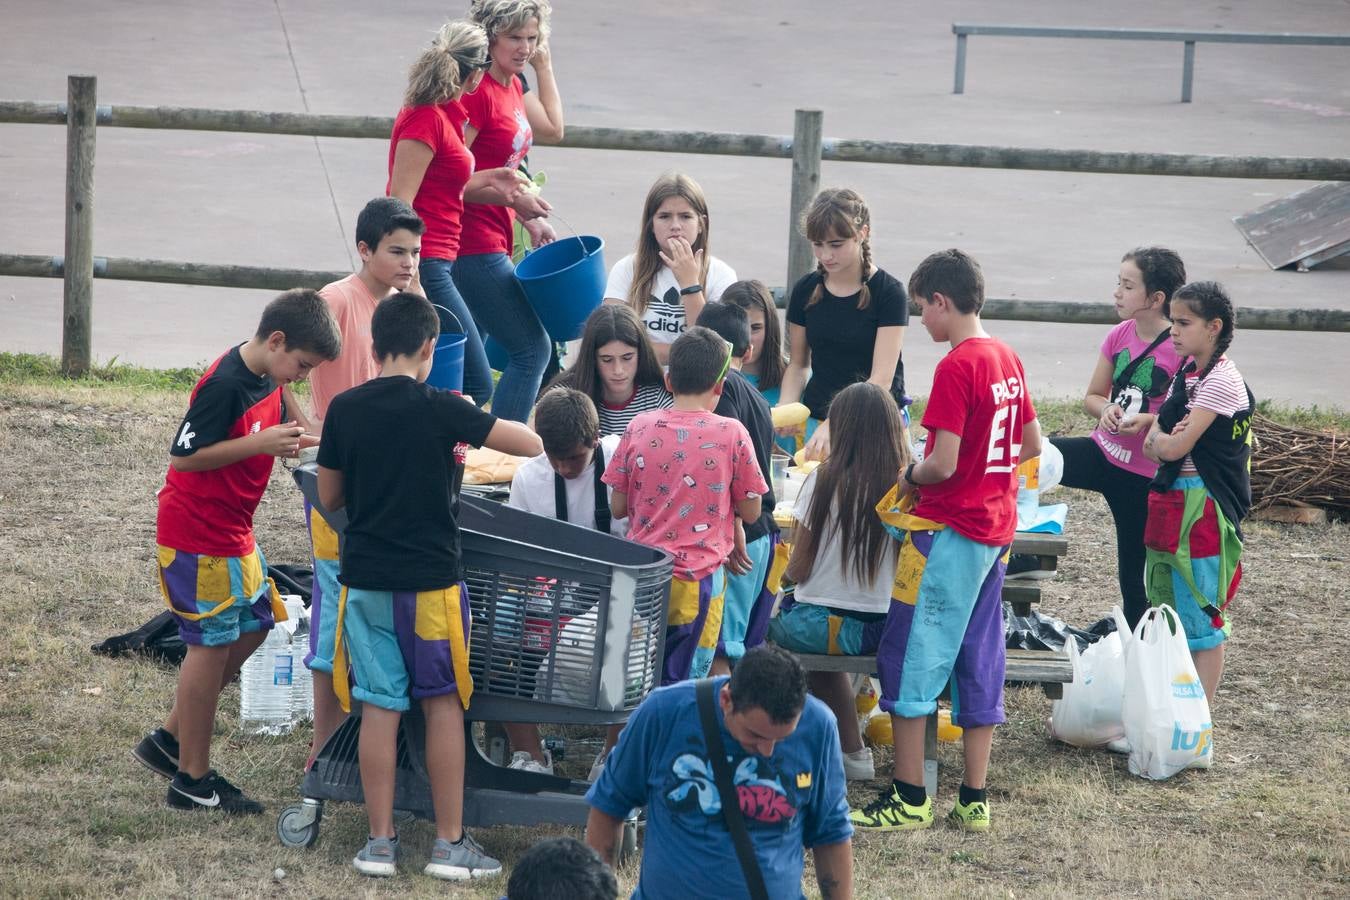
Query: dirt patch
x=78 y=472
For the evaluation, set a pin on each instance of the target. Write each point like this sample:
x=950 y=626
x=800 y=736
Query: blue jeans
x=488 y=283
x=440 y=290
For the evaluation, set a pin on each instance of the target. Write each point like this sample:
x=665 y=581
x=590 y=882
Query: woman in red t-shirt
x=431 y=169
x=503 y=121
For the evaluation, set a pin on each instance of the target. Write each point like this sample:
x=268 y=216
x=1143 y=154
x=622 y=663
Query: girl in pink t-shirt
x=1136 y=365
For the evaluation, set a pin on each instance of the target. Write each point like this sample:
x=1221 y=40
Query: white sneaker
x=1118 y=745
x=598 y=766
x=524 y=762
x=859 y=766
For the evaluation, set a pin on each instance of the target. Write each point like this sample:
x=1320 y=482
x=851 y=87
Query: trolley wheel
x=628 y=843
x=298 y=825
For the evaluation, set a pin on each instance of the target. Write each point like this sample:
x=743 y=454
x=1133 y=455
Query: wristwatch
x=692 y=289
x=909 y=475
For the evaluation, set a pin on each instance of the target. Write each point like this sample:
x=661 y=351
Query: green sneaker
x=891 y=813
x=970 y=816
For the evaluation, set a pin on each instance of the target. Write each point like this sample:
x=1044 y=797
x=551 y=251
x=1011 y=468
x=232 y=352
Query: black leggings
x=1086 y=467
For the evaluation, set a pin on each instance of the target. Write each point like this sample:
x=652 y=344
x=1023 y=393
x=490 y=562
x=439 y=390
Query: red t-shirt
x=211 y=512
x=440 y=198
x=980 y=393
x=498 y=112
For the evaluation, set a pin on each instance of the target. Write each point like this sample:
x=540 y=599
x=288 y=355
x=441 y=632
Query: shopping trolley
x=568 y=627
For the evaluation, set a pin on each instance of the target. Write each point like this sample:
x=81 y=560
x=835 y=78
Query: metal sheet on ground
x=1310 y=226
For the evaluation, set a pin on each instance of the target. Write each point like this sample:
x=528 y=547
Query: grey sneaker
x=462 y=861
x=523 y=761
x=379 y=857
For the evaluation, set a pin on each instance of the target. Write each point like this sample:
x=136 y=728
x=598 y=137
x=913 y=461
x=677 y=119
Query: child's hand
x=1182 y=425
x=739 y=561
x=1111 y=418
x=280 y=440
x=819 y=445
x=683 y=260
x=1136 y=423
x=308 y=440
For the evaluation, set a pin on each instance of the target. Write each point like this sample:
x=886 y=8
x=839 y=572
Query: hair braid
x=865 y=294
x=819 y=292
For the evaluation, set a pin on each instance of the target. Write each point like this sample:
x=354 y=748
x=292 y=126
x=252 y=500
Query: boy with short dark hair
x=393 y=455
x=946 y=616
x=212 y=574
x=563 y=483
x=680 y=475
x=755 y=566
x=389 y=241
x=561 y=868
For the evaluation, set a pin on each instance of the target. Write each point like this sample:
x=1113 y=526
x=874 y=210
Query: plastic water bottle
x=302 y=680
x=266 y=682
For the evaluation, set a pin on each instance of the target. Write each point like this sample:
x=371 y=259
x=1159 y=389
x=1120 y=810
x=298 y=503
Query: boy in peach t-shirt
x=389 y=240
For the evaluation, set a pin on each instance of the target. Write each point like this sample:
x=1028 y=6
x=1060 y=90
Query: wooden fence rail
x=806 y=147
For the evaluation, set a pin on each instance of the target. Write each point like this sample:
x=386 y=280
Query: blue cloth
x=487 y=281
x=440 y=290
x=793 y=799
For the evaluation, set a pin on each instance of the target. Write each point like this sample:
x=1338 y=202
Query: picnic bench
x=1051 y=670
x=1188 y=38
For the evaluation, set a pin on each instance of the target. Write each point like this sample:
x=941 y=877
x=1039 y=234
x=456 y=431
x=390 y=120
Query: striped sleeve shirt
x=615 y=419
x=1222 y=392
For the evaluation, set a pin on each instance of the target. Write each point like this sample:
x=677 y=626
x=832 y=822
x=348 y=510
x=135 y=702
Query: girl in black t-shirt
x=846 y=320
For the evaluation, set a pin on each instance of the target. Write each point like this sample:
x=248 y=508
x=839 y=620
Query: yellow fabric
x=683 y=602
x=438 y=614
x=777 y=566
x=835 y=623
x=712 y=625
x=899 y=514
x=908 y=573
x=213 y=583
x=322 y=537
x=341 y=677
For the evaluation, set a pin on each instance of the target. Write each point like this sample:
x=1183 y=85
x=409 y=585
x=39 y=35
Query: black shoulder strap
x=731 y=806
x=1124 y=377
x=602 y=514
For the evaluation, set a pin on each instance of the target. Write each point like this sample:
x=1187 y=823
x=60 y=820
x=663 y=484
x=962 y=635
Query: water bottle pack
x=275 y=687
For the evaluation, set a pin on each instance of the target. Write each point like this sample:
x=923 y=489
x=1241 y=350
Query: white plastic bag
x=1167 y=722
x=1089 y=713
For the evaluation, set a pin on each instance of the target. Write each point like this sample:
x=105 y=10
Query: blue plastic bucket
x=497 y=356
x=564 y=282
x=447 y=361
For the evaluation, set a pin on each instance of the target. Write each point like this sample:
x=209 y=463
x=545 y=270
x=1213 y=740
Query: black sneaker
x=211 y=791
x=158 y=752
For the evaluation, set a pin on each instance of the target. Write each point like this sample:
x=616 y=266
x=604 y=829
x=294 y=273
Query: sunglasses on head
x=726 y=366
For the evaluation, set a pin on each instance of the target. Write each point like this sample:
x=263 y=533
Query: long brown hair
x=867 y=450
x=753 y=295
x=647 y=261
x=610 y=322
x=835 y=214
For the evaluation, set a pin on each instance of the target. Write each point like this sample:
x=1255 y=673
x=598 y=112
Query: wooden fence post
x=806 y=148
x=77 y=323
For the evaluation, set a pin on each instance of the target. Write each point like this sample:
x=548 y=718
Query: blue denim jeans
x=488 y=284
x=440 y=290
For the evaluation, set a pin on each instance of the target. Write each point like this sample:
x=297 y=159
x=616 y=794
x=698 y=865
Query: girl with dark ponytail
x=846 y=320
x=1134 y=369
x=1202 y=440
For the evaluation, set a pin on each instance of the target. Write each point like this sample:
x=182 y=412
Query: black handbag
x=731 y=806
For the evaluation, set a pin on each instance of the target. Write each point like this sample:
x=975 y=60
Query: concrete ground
x=878 y=69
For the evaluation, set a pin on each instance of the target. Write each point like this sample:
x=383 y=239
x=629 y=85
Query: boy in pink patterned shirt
x=680 y=475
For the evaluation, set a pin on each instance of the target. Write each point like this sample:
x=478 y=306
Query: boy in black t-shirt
x=755 y=569
x=393 y=454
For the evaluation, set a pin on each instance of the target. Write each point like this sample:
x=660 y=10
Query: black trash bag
x=1041 y=632
x=159 y=640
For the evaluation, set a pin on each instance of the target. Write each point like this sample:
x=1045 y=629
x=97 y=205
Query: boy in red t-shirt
x=946 y=618
x=212 y=574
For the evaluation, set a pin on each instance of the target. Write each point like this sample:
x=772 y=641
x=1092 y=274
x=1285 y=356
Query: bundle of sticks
x=1300 y=467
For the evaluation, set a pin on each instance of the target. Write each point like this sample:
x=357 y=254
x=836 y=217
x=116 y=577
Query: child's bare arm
x=618 y=504
x=332 y=489
x=1031 y=440
x=513 y=438
x=297 y=411
x=279 y=440
x=749 y=508
x=1167 y=447
x=939 y=461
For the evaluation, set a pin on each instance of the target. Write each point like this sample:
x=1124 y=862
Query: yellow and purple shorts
x=324 y=599
x=693 y=626
x=217 y=598
x=402 y=644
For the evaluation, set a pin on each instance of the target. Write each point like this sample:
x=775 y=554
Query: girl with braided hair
x=1202 y=442
x=1134 y=369
x=846 y=320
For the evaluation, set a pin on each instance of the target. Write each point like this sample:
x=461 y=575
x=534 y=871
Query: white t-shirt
x=830 y=584
x=664 y=317
x=532 y=490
